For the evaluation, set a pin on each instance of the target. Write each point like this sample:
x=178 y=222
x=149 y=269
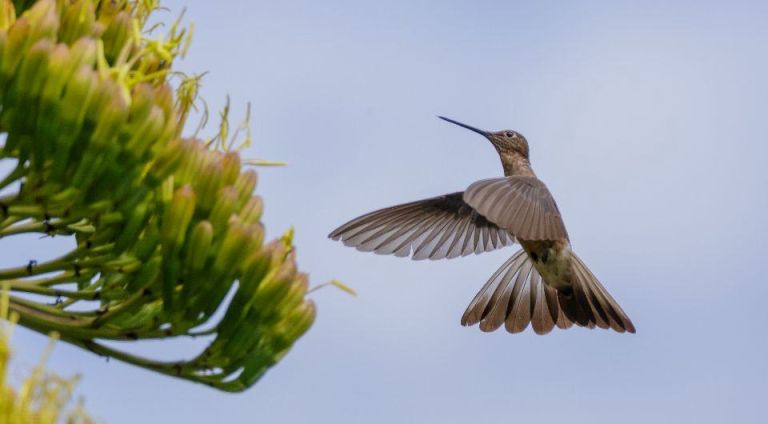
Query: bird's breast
x=552 y=258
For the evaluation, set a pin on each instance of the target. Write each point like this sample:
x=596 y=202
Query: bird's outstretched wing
x=435 y=228
x=519 y=204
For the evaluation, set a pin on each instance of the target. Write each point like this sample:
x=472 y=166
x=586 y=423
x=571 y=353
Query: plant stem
x=45 y=291
x=62 y=263
x=43 y=227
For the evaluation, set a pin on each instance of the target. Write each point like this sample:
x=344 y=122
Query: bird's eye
x=509 y=134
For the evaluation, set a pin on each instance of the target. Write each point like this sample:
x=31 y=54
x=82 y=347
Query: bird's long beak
x=479 y=131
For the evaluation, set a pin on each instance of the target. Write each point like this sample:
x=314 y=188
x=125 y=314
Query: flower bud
x=191 y=161
x=291 y=327
x=164 y=99
x=224 y=207
x=117 y=36
x=199 y=246
x=301 y=319
x=54 y=84
x=251 y=212
x=110 y=121
x=256 y=266
x=232 y=248
x=43 y=20
x=273 y=289
x=146 y=134
x=142 y=101
x=15 y=48
x=77 y=96
x=296 y=292
x=33 y=70
x=168 y=160
x=83 y=53
x=230 y=162
x=7 y=14
x=209 y=182
x=176 y=218
x=78 y=20
x=246 y=184
x=133 y=225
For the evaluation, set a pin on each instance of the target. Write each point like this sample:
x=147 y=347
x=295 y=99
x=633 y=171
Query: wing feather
x=521 y=205
x=434 y=228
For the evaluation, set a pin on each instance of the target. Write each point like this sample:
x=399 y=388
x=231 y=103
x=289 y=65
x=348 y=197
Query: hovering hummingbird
x=544 y=284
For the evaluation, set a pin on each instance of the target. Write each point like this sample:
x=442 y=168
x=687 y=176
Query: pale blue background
x=646 y=119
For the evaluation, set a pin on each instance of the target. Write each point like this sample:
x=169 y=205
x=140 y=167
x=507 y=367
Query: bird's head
x=505 y=141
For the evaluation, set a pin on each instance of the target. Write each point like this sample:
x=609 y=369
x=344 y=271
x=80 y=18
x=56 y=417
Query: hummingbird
x=544 y=284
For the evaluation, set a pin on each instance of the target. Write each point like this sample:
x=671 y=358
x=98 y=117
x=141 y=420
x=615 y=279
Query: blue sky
x=647 y=120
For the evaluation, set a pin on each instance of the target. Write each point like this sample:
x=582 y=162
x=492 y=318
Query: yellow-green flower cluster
x=163 y=227
x=42 y=397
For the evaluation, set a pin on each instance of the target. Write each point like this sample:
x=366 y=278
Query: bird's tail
x=516 y=296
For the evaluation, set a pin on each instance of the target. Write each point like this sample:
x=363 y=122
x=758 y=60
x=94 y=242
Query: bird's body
x=552 y=259
x=544 y=284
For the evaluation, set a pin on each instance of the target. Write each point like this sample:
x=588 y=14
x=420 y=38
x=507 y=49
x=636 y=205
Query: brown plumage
x=436 y=228
x=544 y=284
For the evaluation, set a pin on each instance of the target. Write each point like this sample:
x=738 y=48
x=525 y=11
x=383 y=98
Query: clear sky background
x=647 y=120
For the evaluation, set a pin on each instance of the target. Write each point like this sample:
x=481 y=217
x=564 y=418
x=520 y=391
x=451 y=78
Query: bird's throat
x=516 y=164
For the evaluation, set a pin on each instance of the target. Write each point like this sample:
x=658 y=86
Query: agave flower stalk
x=162 y=227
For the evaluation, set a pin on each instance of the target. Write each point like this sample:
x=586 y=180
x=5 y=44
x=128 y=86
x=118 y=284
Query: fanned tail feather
x=516 y=296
